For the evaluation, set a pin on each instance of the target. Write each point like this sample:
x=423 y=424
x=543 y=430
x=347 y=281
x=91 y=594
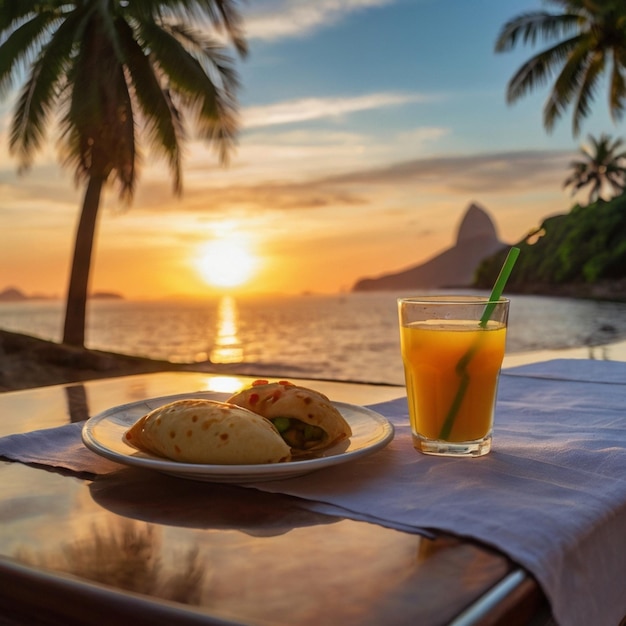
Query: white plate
x=104 y=432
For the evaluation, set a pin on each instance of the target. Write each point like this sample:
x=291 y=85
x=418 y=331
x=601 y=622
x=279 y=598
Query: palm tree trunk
x=76 y=305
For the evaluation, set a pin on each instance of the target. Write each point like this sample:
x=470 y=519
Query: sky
x=367 y=129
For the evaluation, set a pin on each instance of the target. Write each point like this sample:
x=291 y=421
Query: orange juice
x=431 y=352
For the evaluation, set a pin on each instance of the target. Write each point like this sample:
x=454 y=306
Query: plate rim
x=250 y=472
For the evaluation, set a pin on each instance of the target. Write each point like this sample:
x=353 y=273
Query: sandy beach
x=27 y=362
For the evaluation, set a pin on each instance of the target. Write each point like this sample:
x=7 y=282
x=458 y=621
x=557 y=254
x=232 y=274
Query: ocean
x=351 y=336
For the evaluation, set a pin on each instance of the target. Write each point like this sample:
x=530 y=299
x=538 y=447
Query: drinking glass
x=452 y=349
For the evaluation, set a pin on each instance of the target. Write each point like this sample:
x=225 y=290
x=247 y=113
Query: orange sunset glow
x=337 y=174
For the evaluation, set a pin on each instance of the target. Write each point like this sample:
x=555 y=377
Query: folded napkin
x=60 y=447
x=551 y=495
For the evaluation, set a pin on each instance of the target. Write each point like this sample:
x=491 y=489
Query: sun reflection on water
x=227 y=347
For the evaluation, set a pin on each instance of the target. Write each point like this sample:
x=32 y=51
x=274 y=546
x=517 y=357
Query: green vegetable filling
x=296 y=433
x=281 y=423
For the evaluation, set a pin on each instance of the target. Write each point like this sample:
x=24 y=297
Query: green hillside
x=581 y=253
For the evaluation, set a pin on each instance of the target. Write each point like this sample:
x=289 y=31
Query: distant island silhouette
x=13 y=294
x=476 y=240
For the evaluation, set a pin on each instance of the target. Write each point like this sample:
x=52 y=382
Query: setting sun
x=226 y=263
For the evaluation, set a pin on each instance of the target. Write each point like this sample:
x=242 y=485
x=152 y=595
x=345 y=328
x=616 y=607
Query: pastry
x=306 y=419
x=206 y=431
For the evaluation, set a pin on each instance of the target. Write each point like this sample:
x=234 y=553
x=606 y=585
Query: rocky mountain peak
x=476 y=223
x=477 y=239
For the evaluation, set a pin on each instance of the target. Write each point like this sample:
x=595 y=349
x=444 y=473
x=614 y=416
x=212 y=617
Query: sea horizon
x=346 y=336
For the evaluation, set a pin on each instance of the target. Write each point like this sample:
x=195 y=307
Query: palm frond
x=150 y=68
x=594 y=31
x=529 y=27
x=163 y=124
x=569 y=82
x=586 y=91
x=40 y=92
x=201 y=76
x=98 y=129
x=539 y=69
x=13 y=13
x=617 y=89
x=223 y=15
x=20 y=47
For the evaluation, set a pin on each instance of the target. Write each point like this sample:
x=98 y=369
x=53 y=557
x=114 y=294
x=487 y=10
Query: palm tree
x=589 y=39
x=106 y=73
x=603 y=167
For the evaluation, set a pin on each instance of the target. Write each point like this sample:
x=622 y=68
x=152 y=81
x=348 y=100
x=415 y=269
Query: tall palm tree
x=602 y=168
x=589 y=39
x=107 y=73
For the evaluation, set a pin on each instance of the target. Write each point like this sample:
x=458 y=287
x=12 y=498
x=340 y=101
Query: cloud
x=470 y=173
x=307 y=109
x=505 y=173
x=243 y=199
x=293 y=18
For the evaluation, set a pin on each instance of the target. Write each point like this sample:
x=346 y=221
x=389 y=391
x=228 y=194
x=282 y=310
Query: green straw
x=498 y=288
x=461 y=367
